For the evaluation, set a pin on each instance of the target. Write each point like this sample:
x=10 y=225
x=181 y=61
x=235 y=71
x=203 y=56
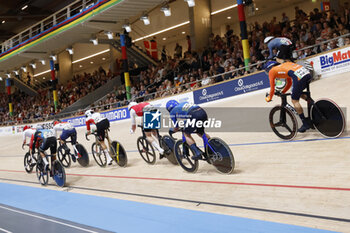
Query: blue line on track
x=129 y=216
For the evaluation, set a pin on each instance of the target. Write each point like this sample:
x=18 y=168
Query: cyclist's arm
x=36 y=135
x=88 y=122
x=24 y=138
x=133 y=119
x=288 y=85
x=270 y=46
x=272 y=77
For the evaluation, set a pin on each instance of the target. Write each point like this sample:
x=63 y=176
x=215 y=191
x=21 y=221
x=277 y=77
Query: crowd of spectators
x=221 y=60
x=34 y=108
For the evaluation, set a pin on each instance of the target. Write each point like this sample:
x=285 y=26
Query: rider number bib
x=301 y=72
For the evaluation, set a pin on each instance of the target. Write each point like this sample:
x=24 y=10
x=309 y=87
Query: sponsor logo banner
x=331 y=63
x=231 y=88
x=113 y=115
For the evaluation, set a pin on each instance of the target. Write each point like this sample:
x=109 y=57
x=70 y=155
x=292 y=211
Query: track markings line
x=202 y=181
x=3 y=230
x=47 y=219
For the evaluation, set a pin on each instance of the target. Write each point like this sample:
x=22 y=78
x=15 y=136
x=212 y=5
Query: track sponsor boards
x=334 y=62
x=231 y=88
x=185 y=97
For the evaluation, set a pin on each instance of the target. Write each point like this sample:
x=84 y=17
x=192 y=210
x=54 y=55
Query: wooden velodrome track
x=304 y=182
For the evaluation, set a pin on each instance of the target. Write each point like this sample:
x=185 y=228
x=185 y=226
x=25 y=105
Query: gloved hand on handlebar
x=268 y=98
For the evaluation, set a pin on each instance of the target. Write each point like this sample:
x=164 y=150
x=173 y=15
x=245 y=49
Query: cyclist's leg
x=43 y=147
x=152 y=141
x=200 y=116
x=298 y=87
x=102 y=126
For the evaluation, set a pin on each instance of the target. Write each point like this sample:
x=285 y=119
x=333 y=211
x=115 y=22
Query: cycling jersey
x=292 y=72
x=276 y=43
x=28 y=133
x=181 y=111
x=42 y=134
x=93 y=119
x=137 y=110
x=62 y=126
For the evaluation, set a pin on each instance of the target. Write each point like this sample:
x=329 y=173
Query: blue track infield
x=128 y=216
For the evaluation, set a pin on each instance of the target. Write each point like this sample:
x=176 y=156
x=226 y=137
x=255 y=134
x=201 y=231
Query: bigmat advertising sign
x=235 y=87
x=334 y=62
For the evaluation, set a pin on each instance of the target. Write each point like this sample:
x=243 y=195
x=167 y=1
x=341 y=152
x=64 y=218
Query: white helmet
x=89 y=113
x=268 y=39
x=131 y=104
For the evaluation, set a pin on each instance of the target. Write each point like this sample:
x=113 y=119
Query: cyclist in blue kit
x=49 y=141
x=186 y=111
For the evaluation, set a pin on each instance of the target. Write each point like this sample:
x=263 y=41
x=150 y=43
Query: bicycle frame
x=205 y=141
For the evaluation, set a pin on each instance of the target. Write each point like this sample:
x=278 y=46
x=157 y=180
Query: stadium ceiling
x=17 y=20
x=111 y=19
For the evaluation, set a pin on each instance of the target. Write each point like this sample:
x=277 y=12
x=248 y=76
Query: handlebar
x=141 y=126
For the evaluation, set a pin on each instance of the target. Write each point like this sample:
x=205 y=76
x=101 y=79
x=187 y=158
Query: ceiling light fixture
x=127 y=27
x=109 y=35
x=24 y=68
x=53 y=57
x=145 y=19
x=0 y=78
x=161 y=31
x=44 y=72
x=94 y=41
x=70 y=50
x=33 y=65
x=191 y=3
x=3 y=21
x=223 y=9
x=24 y=7
x=90 y=56
x=8 y=75
x=43 y=62
x=166 y=10
x=16 y=72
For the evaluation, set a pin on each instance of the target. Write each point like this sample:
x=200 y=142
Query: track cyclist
x=67 y=130
x=296 y=76
x=48 y=141
x=102 y=124
x=137 y=109
x=186 y=111
x=283 y=45
x=28 y=132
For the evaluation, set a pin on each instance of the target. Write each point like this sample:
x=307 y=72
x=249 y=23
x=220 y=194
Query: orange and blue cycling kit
x=295 y=75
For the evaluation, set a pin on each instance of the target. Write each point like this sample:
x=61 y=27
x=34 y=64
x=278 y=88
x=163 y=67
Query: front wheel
x=99 y=154
x=283 y=122
x=43 y=176
x=64 y=156
x=146 y=150
x=28 y=163
x=328 y=118
x=58 y=173
x=119 y=154
x=83 y=156
x=220 y=155
x=183 y=155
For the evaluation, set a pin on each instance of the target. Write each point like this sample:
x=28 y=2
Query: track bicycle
x=29 y=163
x=147 y=151
x=324 y=115
x=65 y=156
x=116 y=150
x=216 y=152
x=56 y=171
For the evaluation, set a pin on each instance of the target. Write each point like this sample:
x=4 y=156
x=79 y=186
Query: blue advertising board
x=113 y=115
x=231 y=88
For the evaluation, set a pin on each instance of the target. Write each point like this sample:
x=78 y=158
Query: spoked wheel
x=28 y=163
x=43 y=176
x=58 y=173
x=220 y=155
x=283 y=122
x=183 y=155
x=83 y=156
x=328 y=118
x=119 y=154
x=168 y=144
x=146 y=150
x=64 y=156
x=99 y=154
